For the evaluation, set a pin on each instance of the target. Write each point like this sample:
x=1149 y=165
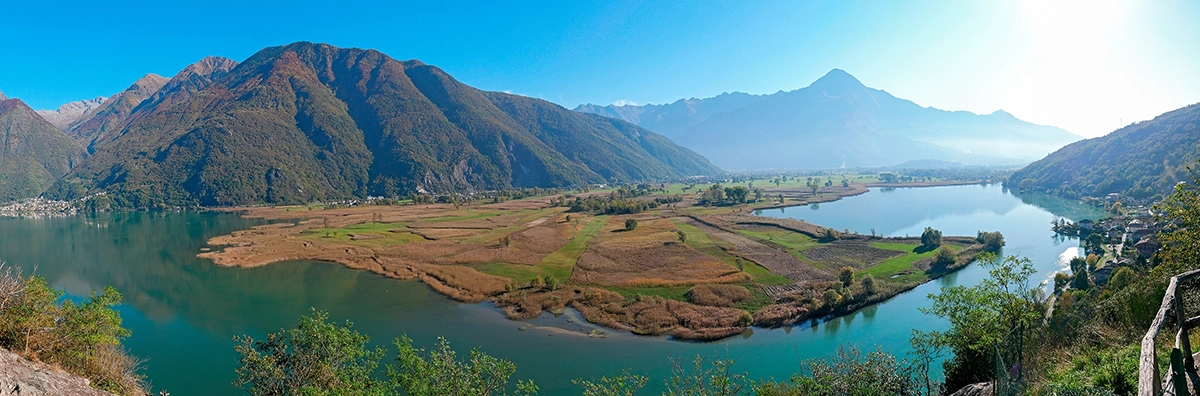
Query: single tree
x=931 y=238
x=846 y=275
x=631 y=224
x=1000 y=313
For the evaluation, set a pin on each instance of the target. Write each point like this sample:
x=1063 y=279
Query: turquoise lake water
x=184 y=311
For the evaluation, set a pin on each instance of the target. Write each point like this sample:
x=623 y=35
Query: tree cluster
x=611 y=205
x=992 y=241
x=717 y=195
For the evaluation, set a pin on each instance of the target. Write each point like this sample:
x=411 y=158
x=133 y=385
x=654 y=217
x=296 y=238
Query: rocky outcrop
x=980 y=389
x=23 y=377
x=70 y=112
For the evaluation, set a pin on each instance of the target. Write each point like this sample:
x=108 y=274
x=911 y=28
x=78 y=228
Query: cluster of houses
x=1136 y=229
x=37 y=207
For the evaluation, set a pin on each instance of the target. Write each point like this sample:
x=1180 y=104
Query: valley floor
x=687 y=271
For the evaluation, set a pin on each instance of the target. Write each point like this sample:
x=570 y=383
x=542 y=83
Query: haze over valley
x=837 y=122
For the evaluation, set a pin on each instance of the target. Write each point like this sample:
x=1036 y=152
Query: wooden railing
x=1149 y=379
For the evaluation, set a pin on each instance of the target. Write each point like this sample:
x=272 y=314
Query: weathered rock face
x=22 y=377
x=70 y=112
x=980 y=389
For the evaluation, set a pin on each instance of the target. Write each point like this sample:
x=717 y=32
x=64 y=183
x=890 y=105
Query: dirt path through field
x=773 y=259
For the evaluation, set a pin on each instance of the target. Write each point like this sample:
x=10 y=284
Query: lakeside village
x=1127 y=239
x=38 y=207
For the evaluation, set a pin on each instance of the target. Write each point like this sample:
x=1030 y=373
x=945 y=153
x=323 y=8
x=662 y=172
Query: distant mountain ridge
x=1140 y=160
x=308 y=122
x=110 y=116
x=839 y=122
x=674 y=118
x=33 y=153
x=64 y=115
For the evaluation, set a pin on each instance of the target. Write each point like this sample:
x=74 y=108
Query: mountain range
x=1140 y=160
x=838 y=122
x=306 y=122
x=33 y=153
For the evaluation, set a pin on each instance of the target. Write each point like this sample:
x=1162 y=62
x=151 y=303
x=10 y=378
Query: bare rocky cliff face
x=70 y=112
x=23 y=377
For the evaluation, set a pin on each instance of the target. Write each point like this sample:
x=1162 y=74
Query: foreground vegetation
x=81 y=338
x=322 y=358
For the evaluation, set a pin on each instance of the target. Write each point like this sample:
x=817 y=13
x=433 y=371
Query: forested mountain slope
x=310 y=121
x=1141 y=160
x=33 y=153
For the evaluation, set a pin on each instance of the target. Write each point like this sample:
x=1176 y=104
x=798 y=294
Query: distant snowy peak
x=70 y=112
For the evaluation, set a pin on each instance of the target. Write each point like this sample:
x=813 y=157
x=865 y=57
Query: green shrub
x=849 y=373
x=84 y=339
x=316 y=357
x=945 y=257
x=868 y=284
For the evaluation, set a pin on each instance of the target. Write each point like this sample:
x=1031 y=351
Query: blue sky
x=1087 y=66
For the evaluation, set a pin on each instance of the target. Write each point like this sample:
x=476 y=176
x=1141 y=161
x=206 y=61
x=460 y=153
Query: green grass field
x=901 y=264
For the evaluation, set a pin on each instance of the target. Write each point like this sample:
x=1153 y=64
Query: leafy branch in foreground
x=439 y=372
x=323 y=358
x=997 y=315
x=717 y=378
x=623 y=385
x=83 y=339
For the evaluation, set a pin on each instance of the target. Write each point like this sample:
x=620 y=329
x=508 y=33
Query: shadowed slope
x=1140 y=160
x=33 y=153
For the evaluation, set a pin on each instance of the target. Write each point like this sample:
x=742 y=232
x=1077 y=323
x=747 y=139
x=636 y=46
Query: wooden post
x=1184 y=343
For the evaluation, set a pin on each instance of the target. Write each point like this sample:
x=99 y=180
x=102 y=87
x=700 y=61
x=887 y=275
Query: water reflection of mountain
x=150 y=258
x=892 y=209
x=1059 y=206
x=889 y=210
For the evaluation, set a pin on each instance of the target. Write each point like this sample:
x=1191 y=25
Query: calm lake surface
x=184 y=311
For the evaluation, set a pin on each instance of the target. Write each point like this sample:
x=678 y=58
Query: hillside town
x=1123 y=240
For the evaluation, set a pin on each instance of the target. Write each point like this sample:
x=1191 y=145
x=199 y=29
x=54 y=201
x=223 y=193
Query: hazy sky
x=1087 y=66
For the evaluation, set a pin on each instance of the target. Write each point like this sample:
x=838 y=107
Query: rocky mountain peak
x=210 y=65
x=71 y=112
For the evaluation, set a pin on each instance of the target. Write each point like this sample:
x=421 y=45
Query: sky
x=1087 y=66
